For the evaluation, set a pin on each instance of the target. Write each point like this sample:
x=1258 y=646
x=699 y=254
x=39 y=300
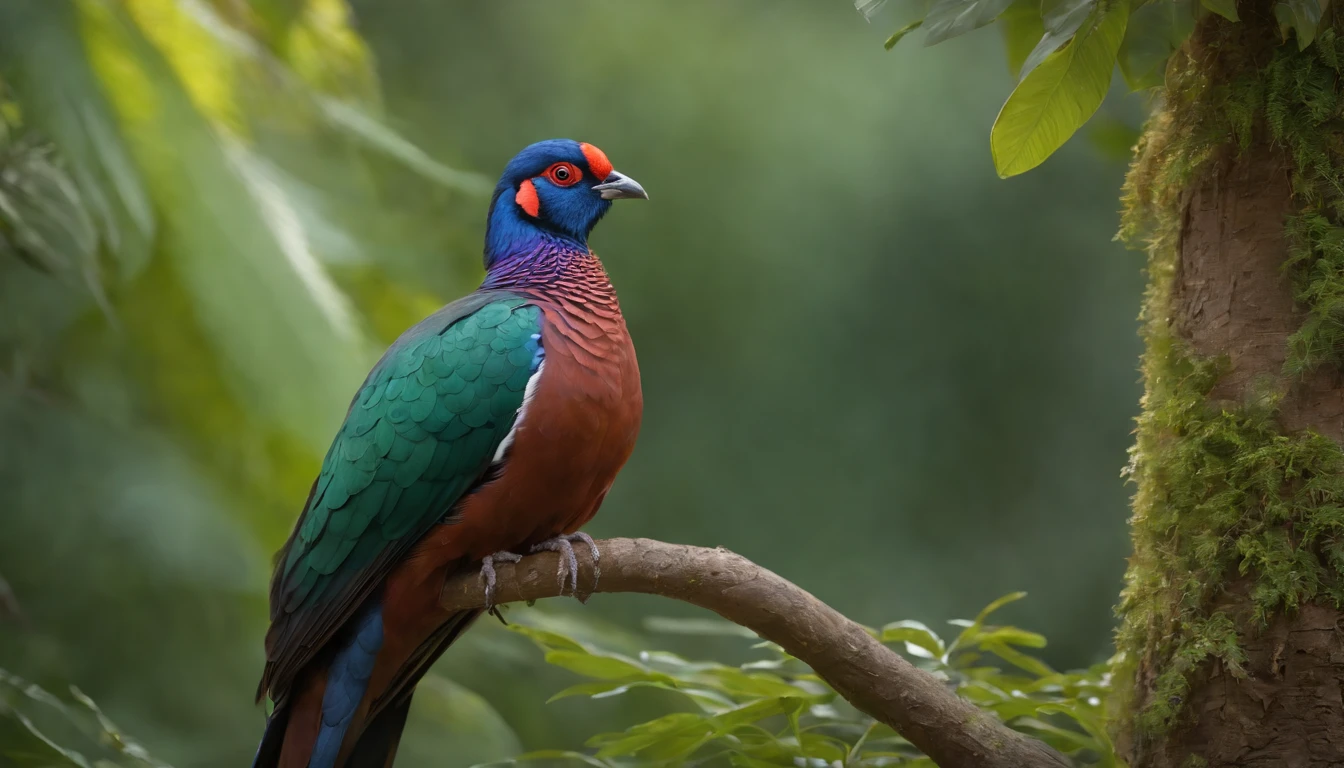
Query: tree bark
x=1282 y=706
x=1233 y=299
x=871 y=676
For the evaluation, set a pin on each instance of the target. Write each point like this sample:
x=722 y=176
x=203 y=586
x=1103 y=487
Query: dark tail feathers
x=377 y=746
x=273 y=740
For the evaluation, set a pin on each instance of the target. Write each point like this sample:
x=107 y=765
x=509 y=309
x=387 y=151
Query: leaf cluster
x=776 y=711
x=1064 y=54
x=147 y=161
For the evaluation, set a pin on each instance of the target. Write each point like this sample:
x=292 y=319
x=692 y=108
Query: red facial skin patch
x=527 y=198
x=597 y=161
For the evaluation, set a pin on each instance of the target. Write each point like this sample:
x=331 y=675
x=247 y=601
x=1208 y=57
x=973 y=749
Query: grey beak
x=618 y=185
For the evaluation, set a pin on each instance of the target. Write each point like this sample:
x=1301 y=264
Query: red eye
x=563 y=174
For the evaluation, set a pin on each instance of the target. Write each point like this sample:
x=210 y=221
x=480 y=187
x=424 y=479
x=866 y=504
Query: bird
x=493 y=428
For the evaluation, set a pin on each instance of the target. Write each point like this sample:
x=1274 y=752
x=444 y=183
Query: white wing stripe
x=528 y=394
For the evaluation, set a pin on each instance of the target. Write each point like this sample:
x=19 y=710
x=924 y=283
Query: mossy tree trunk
x=1232 y=624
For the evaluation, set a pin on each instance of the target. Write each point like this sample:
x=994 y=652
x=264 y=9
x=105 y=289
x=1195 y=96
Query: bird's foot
x=488 y=575
x=569 y=564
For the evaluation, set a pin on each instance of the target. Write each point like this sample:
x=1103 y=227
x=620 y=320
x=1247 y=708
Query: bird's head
x=557 y=187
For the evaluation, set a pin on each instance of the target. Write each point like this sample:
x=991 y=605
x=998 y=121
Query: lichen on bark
x=1237 y=192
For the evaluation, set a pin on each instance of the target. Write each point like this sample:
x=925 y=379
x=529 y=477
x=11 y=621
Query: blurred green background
x=869 y=364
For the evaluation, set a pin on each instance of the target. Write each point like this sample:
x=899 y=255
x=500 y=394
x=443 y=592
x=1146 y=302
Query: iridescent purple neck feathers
x=549 y=263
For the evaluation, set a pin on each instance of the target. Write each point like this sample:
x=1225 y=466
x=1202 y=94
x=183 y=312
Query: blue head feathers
x=554 y=189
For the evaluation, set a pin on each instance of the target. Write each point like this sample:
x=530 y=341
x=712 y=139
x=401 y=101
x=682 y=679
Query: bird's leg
x=592 y=550
x=569 y=564
x=488 y=574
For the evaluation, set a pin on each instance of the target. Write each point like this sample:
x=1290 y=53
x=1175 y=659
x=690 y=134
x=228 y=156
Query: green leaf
x=1013 y=636
x=605 y=688
x=988 y=609
x=735 y=681
x=1225 y=8
x=1018 y=659
x=1055 y=99
x=602 y=667
x=822 y=747
x=1022 y=29
x=727 y=722
x=1301 y=16
x=950 y=18
x=914 y=633
x=972 y=628
x=546 y=639
x=900 y=33
x=1154 y=32
x=637 y=738
x=1061 y=19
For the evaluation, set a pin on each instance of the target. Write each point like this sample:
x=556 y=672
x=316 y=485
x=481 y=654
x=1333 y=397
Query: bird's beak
x=618 y=185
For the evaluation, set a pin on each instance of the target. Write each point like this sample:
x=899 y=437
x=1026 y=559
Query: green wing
x=421 y=432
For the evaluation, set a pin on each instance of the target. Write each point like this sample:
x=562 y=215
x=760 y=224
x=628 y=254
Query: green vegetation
x=1065 y=51
x=776 y=711
x=766 y=712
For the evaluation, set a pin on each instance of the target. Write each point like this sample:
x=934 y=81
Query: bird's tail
x=314 y=730
x=377 y=746
x=273 y=740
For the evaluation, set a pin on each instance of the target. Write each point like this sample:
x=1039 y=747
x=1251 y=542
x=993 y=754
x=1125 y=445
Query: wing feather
x=419 y=435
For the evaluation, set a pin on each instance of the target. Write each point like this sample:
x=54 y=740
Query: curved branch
x=871 y=676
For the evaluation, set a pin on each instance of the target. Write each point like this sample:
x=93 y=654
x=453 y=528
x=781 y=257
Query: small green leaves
x=776 y=712
x=950 y=18
x=919 y=640
x=1225 y=8
x=1056 y=98
x=600 y=666
x=902 y=32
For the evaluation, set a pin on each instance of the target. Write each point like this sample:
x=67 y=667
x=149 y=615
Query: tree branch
x=871 y=676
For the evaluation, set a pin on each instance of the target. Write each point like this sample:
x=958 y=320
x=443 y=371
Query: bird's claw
x=488 y=575
x=569 y=564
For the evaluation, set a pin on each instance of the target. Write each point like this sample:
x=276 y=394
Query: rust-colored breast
x=575 y=433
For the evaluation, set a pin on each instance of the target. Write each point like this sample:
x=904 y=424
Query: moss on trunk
x=1228 y=654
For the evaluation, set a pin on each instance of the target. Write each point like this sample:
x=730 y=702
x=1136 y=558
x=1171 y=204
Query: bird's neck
x=546 y=264
x=521 y=254
x=510 y=235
